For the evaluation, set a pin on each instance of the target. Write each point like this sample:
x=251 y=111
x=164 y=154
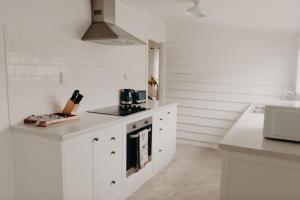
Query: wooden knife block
x=70 y=107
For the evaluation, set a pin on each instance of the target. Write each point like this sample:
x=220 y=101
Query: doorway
x=153 y=70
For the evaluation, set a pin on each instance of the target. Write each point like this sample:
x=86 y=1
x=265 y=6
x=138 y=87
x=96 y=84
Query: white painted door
x=78 y=168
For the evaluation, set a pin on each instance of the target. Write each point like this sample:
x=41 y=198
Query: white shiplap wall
x=215 y=73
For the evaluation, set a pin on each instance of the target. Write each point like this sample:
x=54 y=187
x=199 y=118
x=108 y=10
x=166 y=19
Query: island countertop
x=246 y=136
x=87 y=122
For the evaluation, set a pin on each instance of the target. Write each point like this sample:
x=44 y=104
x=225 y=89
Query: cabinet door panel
x=78 y=168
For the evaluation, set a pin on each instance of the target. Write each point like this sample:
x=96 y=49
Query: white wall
x=6 y=145
x=298 y=68
x=214 y=73
x=43 y=39
x=36 y=59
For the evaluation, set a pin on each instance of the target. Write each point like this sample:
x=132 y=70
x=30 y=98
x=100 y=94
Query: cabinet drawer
x=109 y=162
x=112 y=138
x=159 y=157
x=112 y=187
x=109 y=188
x=159 y=119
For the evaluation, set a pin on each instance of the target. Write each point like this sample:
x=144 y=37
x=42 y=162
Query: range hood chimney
x=103 y=29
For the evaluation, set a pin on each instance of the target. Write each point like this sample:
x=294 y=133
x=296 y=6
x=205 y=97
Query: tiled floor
x=193 y=175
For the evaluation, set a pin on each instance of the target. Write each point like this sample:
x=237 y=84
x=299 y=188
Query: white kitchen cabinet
x=164 y=137
x=247 y=176
x=107 y=156
x=39 y=171
x=78 y=167
x=256 y=168
x=86 y=160
x=94 y=165
x=86 y=167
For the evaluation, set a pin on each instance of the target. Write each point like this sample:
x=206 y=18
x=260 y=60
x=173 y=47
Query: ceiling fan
x=196 y=10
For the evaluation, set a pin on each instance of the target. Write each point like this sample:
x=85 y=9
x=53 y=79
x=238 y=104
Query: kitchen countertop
x=87 y=122
x=246 y=136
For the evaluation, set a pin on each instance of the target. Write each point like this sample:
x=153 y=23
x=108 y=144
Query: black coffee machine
x=126 y=96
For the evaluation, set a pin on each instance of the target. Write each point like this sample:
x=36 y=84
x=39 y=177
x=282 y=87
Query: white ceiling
x=273 y=15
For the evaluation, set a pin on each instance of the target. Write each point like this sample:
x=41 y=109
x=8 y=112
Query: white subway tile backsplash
x=35 y=60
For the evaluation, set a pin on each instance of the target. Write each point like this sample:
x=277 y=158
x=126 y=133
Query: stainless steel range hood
x=103 y=29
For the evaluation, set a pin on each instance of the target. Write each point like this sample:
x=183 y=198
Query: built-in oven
x=134 y=131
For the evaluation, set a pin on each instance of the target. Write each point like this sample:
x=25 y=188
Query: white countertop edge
x=39 y=131
x=259 y=151
x=223 y=144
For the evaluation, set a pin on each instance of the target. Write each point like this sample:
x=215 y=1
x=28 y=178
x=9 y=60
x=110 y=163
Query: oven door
x=133 y=150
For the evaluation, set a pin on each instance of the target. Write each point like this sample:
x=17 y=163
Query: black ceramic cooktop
x=119 y=110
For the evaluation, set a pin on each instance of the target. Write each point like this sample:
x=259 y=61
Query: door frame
x=162 y=67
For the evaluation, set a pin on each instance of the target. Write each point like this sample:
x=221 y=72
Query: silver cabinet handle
x=137 y=135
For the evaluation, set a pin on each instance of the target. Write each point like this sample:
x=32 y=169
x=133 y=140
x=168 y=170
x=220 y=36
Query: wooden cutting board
x=48 y=119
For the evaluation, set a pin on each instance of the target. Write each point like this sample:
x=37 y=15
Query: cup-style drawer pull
x=113 y=182
x=160 y=150
x=112 y=138
x=113 y=153
x=96 y=139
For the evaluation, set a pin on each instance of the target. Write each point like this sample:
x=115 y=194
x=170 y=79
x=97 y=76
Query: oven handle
x=138 y=134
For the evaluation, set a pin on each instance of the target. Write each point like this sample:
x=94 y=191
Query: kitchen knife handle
x=78 y=99
x=74 y=95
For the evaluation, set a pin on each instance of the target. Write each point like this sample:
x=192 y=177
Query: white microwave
x=282 y=122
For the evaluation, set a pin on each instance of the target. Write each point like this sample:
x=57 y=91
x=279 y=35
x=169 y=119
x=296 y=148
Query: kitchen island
x=88 y=159
x=258 y=168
